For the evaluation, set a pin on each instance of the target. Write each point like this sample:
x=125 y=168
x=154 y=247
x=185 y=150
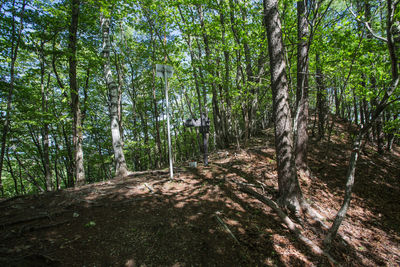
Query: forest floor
x=202 y=218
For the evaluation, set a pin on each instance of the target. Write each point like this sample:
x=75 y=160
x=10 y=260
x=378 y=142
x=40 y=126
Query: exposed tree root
x=290 y=224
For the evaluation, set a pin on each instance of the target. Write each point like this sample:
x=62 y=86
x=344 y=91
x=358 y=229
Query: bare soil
x=202 y=219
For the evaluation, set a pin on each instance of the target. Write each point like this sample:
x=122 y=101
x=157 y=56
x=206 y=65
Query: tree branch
x=367 y=26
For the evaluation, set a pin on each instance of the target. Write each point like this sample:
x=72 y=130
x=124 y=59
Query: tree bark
x=75 y=105
x=290 y=194
x=120 y=164
x=302 y=88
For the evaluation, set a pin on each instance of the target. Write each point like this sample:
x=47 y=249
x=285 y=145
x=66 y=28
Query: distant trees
x=15 y=36
x=322 y=59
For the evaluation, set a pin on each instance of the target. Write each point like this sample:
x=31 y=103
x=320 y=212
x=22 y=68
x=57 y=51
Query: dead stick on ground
x=289 y=223
x=226 y=228
x=149 y=187
x=33 y=218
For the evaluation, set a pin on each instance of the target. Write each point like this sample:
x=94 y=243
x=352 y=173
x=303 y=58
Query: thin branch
x=367 y=26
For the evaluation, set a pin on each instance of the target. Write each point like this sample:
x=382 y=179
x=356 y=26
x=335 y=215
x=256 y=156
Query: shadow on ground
x=202 y=219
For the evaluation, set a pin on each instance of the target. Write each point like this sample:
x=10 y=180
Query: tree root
x=290 y=224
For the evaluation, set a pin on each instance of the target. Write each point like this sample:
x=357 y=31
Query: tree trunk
x=158 y=158
x=120 y=164
x=347 y=195
x=321 y=98
x=379 y=135
x=290 y=194
x=11 y=171
x=45 y=126
x=75 y=105
x=302 y=88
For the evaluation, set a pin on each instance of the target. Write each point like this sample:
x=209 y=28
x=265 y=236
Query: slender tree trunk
x=216 y=114
x=302 y=88
x=75 y=105
x=11 y=171
x=158 y=158
x=120 y=164
x=69 y=162
x=390 y=137
x=45 y=127
x=379 y=135
x=379 y=108
x=16 y=39
x=349 y=186
x=290 y=194
x=321 y=98
x=355 y=107
x=195 y=76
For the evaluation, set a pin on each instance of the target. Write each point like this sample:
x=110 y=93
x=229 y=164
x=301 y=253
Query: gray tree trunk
x=75 y=105
x=302 y=88
x=120 y=164
x=290 y=195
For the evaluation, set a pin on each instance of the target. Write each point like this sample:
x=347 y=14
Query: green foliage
x=221 y=66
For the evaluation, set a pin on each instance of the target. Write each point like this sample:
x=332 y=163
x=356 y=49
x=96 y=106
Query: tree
x=290 y=194
x=301 y=140
x=74 y=91
x=120 y=164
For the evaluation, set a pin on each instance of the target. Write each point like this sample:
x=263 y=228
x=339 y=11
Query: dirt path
x=202 y=219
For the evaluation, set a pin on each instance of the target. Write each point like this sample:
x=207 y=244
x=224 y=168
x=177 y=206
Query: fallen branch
x=153 y=172
x=33 y=218
x=42 y=227
x=289 y=223
x=2 y=201
x=226 y=228
x=149 y=187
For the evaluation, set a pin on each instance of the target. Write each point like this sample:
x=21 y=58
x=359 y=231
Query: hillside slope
x=202 y=219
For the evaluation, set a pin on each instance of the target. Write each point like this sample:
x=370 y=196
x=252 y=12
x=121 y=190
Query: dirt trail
x=202 y=218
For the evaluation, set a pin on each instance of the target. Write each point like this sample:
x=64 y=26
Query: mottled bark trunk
x=302 y=88
x=120 y=164
x=290 y=194
x=75 y=105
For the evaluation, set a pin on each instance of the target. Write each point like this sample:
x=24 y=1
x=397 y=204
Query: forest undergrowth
x=202 y=218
